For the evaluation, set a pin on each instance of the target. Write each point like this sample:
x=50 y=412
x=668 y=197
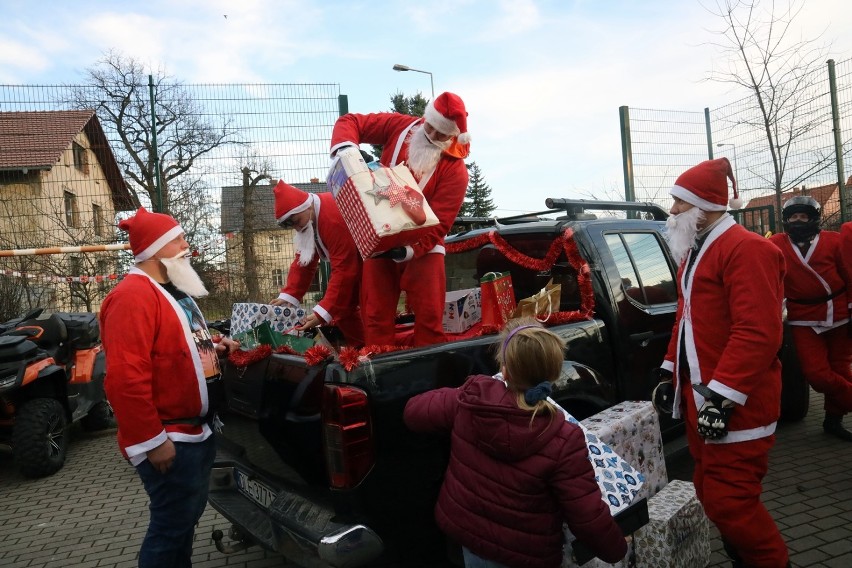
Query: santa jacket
x=153 y=369
x=814 y=277
x=729 y=325
x=444 y=189
x=510 y=484
x=846 y=252
x=335 y=244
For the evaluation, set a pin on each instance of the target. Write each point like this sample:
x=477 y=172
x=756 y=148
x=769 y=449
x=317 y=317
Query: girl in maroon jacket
x=517 y=469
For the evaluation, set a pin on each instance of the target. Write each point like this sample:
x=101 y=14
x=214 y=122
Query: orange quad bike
x=51 y=375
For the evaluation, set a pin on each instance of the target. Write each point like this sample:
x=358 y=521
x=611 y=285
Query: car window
x=645 y=274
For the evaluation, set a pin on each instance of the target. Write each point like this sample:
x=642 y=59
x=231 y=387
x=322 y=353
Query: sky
x=542 y=80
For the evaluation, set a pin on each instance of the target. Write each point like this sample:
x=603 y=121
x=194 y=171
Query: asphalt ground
x=93 y=512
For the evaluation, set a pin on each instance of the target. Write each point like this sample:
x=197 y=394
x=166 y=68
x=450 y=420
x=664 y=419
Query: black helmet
x=801 y=231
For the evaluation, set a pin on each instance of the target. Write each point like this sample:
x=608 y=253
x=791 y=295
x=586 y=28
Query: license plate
x=255 y=490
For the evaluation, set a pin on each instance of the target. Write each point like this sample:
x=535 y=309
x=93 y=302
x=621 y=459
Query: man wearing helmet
x=816 y=288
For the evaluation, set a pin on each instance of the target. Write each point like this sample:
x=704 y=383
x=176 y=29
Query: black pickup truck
x=315 y=461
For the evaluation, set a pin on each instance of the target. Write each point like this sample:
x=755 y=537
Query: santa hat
x=149 y=232
x=706 y=186
x=447 y=114
x=289 y=201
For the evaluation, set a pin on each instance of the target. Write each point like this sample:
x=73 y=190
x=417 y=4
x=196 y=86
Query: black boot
x=833 y=424
x=736 y=561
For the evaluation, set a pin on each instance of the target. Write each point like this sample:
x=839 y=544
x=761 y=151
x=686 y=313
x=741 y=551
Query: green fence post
x=627 y=157
x=709 y=134
x=154 y=144
x=838 y=141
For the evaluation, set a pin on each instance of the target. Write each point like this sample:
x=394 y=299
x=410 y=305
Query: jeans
x=471 y=560
x=178 y=499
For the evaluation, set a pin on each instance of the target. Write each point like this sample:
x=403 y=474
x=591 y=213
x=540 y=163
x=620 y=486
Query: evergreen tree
x=477 y=200
x=414 y=106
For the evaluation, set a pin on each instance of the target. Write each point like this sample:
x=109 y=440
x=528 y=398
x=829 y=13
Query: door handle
x=642 y=338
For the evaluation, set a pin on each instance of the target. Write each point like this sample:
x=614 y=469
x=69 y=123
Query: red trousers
x=425 y=287
x=826 y=359
x=351 y=327
x=728 y=483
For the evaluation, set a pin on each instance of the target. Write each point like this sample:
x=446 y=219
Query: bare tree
x=778 y=70
x=118 y=89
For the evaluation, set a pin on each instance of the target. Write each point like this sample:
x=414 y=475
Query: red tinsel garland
x=286 y=350
x=317 y=354
x=240 y=358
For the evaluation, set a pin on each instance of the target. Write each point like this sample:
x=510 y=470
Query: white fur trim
x=726 y=391
x=409 y=254
x=289 y=299
x=735 y=436
x=700 y=202
x=305 y=204
x=322 y=313
x=339 y=146
x=440 y=122
x=155 y=247
x=668 y=366
x=735 y=203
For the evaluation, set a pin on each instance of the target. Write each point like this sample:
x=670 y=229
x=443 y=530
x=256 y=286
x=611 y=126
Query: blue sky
x=542 y=80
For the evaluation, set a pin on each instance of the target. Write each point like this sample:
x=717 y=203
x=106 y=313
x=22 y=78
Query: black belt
x=814 y=301
x=194 y=421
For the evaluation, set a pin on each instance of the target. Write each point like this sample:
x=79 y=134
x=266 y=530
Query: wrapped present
x=678 y=532
x=632 y=429
x=462 y=309
x=498 y=298
x=382 y=207
x=541 y=304
x=282 y=319
x=263 y=334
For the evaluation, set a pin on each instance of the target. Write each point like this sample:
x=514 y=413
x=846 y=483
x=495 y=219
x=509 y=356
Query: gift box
x=263 y=334
x=282 y=319
x=383 y=208
x=498 y=298
x=462 y=309
x=678 y=532
x=632 y=429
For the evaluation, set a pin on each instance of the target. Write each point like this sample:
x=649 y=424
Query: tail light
x=348 y=435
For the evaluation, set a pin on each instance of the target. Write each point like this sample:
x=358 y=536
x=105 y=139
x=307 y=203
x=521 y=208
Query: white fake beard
x=183 y=275
x=681 y=231
x=423 y=154
x=305 y=244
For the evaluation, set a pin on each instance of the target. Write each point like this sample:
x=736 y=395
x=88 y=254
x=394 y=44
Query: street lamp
x=736 y=170
x=399 y=67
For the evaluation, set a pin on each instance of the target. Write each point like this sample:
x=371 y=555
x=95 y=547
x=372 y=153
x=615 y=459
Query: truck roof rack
x=575 y=207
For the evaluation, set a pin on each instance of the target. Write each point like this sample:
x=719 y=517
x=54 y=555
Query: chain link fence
x=661 y=144
x=75 y=159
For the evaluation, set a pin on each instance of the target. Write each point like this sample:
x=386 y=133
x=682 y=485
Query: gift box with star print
x=383 y=207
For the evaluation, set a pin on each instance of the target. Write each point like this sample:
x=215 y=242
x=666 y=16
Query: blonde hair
x=528 y=355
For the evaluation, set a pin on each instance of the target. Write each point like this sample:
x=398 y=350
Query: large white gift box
x=632 y=430
x=678 y=532
x=462 y=309
x=282 y=319
x=383 y=208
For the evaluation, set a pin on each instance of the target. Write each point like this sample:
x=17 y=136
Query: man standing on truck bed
x=817 y=287
x=723 y=354
x=321 y=233
x=160 y=361
x=433 y=148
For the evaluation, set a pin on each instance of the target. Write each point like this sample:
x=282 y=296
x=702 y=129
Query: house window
x=81 y=162
x=98 y=219
x=70 y=204
x=278 y=277
x=274 y=243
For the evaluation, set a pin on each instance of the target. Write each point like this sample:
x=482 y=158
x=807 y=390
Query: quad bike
x=51 y=375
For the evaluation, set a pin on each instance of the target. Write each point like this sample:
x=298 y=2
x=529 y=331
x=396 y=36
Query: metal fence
x=660 y=144
x=211 y=162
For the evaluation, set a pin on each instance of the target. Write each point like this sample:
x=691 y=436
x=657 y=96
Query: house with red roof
x=60 y=185
x=827 y=196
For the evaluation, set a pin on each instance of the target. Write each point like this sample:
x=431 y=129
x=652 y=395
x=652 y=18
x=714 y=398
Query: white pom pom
x=464 y=138
x=735 y=203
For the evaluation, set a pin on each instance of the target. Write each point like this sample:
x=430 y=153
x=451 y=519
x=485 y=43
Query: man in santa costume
x=321 y=234
x=433 y=148
x=162 y=369
x=846 y=253
x=723 y=356
x=817 y=288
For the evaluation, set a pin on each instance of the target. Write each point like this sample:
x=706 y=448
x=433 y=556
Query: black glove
x=714 y=414
x=398 y=253
x=663 y=394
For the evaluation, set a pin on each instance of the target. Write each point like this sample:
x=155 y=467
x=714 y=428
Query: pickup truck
x=315 y=461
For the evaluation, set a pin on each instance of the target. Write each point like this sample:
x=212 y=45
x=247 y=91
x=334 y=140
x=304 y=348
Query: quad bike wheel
x=100 y=417
x=40 y=437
